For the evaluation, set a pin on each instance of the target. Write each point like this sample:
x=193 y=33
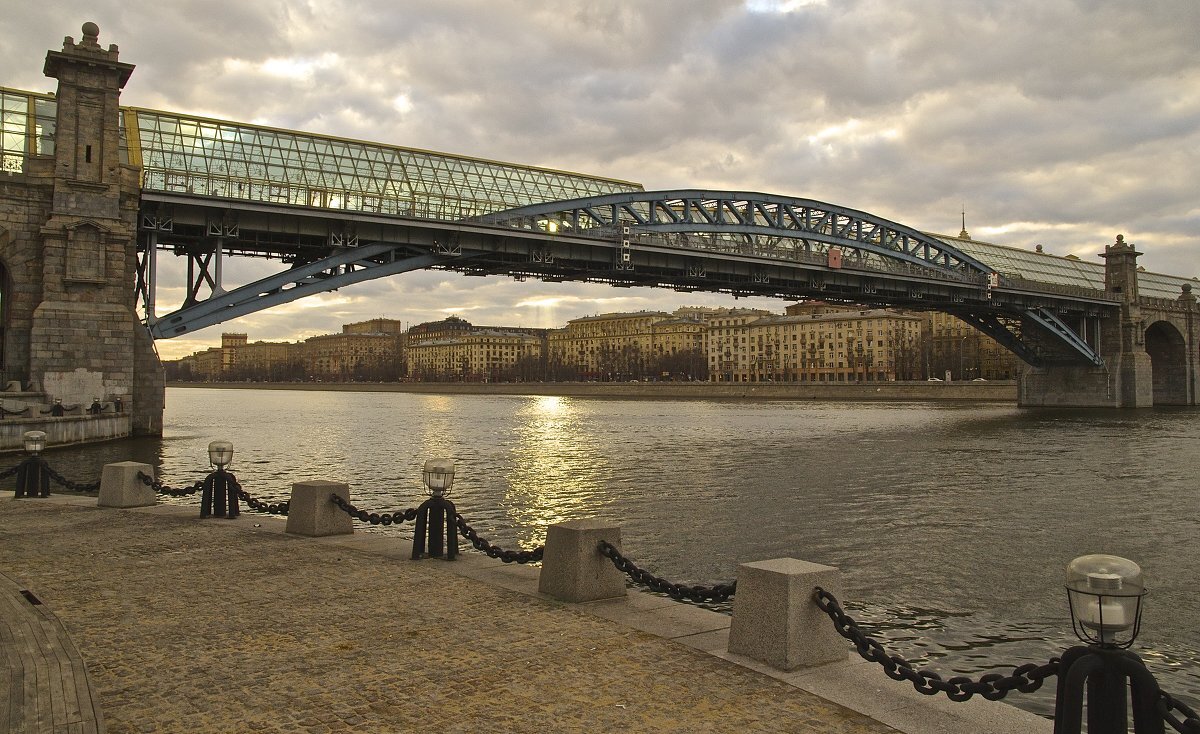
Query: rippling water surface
x=951 y=524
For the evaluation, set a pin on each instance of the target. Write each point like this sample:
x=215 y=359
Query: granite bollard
x=573 y=569
x=120 y=485
x=775 y=619
x=311 y=512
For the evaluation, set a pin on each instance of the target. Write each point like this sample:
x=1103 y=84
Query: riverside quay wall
x=999 y=391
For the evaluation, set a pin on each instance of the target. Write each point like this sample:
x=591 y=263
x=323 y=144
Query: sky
x=1052 y=122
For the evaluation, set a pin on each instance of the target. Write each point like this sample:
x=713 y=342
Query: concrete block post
x=573 y=569
x=312 y=513
x=120 y=485
x=775 y=620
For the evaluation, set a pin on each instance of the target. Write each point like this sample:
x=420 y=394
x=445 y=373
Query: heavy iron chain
x=159 y=487
x=491 y=551
x=9 y=472
x=280 y=508
x=1190 y=724
x=73 y=486
x=716 y=593
x=992 y=686
x=375 y=518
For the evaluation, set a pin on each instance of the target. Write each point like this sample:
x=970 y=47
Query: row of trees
x=616 y=364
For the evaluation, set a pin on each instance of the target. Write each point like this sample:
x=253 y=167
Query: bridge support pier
x=68 y=245
x=1123 y=382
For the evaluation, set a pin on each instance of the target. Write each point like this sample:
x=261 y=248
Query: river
x=951 y=523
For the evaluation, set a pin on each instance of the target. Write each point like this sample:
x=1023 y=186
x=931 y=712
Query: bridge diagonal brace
x=991 y=325
x=1055 y=325
x=336 y=271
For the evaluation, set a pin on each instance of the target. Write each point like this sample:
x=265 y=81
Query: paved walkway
x=221 y=626
x=192 y=625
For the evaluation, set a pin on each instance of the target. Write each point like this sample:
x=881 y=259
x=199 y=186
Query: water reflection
x=555 y=469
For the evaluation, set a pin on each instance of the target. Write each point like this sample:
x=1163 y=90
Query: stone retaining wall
x=69 y=429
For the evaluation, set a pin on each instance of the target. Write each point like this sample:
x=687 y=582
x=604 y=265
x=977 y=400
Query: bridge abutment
x=1149 y=351
x=69 y=221
x=1123 y=382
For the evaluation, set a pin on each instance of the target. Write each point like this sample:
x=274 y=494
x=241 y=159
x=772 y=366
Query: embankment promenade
x=190 y=625
x=998 y=391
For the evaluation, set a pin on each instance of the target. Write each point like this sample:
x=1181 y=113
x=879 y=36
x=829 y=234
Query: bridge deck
x=46 y=689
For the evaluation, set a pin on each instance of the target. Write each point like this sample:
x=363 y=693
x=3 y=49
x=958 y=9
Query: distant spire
x=963 y=234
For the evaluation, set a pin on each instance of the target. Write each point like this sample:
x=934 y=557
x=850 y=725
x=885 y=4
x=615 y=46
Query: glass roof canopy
x=196 y=155
x=188 y=154
x=238 y=161
x=1013 y=262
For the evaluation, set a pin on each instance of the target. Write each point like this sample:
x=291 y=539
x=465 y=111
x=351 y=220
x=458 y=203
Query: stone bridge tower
x=1149 y=347
x=68 y=226
x=1127 y=333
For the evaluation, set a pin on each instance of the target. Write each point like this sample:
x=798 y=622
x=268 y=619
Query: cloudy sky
x=1051 y=122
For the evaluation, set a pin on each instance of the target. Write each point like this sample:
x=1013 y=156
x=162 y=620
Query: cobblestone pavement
x=202 y=626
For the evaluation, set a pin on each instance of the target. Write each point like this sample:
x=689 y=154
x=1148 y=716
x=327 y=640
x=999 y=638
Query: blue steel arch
x=815 y=224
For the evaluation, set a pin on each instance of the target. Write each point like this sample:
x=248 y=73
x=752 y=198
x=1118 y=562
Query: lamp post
x=32 y=478
x=1105 y=595
x=436 y=514
x=219 y=492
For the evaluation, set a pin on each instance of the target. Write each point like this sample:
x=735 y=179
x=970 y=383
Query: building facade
x=613 y=346
x=955 y=348
x=729 y=344
x=485 y=355
x=815 y=342
x=349 y=357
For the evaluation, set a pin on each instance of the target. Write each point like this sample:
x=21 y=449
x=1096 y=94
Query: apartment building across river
x=810 y=342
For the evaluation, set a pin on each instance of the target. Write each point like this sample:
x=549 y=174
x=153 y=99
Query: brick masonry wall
x=68 y=244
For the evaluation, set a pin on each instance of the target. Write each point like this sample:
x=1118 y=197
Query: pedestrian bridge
x=334 y=212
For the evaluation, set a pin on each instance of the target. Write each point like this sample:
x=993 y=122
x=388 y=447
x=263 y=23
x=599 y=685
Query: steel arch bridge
x=774 y=225
x=744 y=244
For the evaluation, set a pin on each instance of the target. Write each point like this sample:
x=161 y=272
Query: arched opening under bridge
x=1168 y=359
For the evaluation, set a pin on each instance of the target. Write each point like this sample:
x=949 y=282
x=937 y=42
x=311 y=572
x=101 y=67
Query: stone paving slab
x=221 y=626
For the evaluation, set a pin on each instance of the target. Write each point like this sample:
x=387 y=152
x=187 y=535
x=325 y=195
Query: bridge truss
x=738 y=243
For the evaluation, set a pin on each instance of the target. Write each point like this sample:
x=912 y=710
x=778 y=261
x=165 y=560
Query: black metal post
x=218 y=495
x=1105 y=671
x=437 y=522
x=33 y=479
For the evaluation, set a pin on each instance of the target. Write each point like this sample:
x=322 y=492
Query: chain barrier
x=715 y=593
x=992 y=686
x=160 y=488
x=9 y=472
x=375 y=518
x=68 y=484
x=280 y=508
x=492 y=551
x=399 y=516
x=1190 y=724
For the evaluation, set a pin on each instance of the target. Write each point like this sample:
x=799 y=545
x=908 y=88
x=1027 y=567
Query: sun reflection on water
x=557 y=471
x=437 y=434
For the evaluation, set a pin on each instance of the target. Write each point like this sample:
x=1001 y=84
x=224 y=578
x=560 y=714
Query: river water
x=951 y=523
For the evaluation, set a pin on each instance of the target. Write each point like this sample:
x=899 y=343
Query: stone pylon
x=85 y=340
x=1129 y=360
